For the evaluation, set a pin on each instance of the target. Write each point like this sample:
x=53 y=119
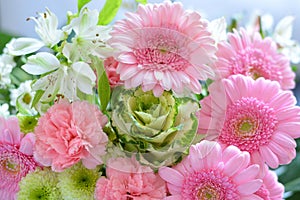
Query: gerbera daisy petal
x=166 y=40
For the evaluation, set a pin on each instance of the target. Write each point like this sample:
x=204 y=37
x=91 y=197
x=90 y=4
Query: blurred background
x=13 y=15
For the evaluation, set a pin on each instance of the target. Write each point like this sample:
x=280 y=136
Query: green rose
x=158 y=129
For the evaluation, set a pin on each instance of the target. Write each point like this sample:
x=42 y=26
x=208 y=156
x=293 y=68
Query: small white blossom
x=23 y=94
x=4 y=112
x=282 y=36
x=6 y=66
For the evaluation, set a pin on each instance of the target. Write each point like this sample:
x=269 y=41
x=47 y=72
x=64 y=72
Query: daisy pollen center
x=209 y=185
x=249 y=123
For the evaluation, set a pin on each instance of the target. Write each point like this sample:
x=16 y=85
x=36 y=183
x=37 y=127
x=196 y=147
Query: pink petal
x=250 y=187
x=27 y=144
x=247 y=174
x=236 y=163
x=251 y=197
x=171 y=176
x=127 y=58
x=268 y=156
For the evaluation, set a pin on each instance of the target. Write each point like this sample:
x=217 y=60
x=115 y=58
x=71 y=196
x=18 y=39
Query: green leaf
x=141 y=1
x=81 y=3
x=37 y=97
x=293 y=185
x=103 y=83
x=103 y=91
x=109 y=11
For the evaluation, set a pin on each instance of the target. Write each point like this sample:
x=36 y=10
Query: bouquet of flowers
x=162 y=104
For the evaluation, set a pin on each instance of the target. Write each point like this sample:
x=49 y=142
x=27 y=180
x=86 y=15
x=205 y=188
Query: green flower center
x=26 y=98
x=12 y=166
x=207 y=193
x=42 y=193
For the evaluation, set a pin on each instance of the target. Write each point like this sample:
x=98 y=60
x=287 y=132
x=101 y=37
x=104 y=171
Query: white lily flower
x=217 y=28
x=62 y=80
x=89 y=39
x=46 y=28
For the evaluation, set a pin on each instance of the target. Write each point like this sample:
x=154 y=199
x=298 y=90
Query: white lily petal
x=46 y=28
x=217 y=28
x=41 y=63
x=84 y=84
x=84 y=70
x=284 y=28
x=23 y=46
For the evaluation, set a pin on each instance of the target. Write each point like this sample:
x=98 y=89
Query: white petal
x=23 y=46
x=41 y=63
x=284 y=27
x=217 y=28
x=84 y=69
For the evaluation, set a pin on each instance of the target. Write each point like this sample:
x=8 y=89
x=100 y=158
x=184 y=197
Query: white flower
x=4 y=112
x=6 y=66
x=24 y=95
x=217 y=28
x=282 y=35
x=62 y=80
x=46 y=28
x=89 y=39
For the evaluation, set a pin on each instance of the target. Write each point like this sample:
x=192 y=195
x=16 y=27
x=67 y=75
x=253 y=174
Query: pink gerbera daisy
x=70 y=132
x=255 y=57
x=271 y=189
x=16 y=157
x=210 y=172
x=254 y=115
x=163 y=47
x=128 y=179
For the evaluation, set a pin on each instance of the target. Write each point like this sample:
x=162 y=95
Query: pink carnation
x=255 y=57
x=271 y=189
x=70 y=132
x=210 y=172
x=254 y=115
x=110 y=65
x=127 y=179
x=16 y=157
x=163 y=47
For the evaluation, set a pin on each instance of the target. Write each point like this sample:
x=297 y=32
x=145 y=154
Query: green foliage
x=82 y=3
x=103 y=83
x=109 y=11
x=141 y=1
x=5 y=38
